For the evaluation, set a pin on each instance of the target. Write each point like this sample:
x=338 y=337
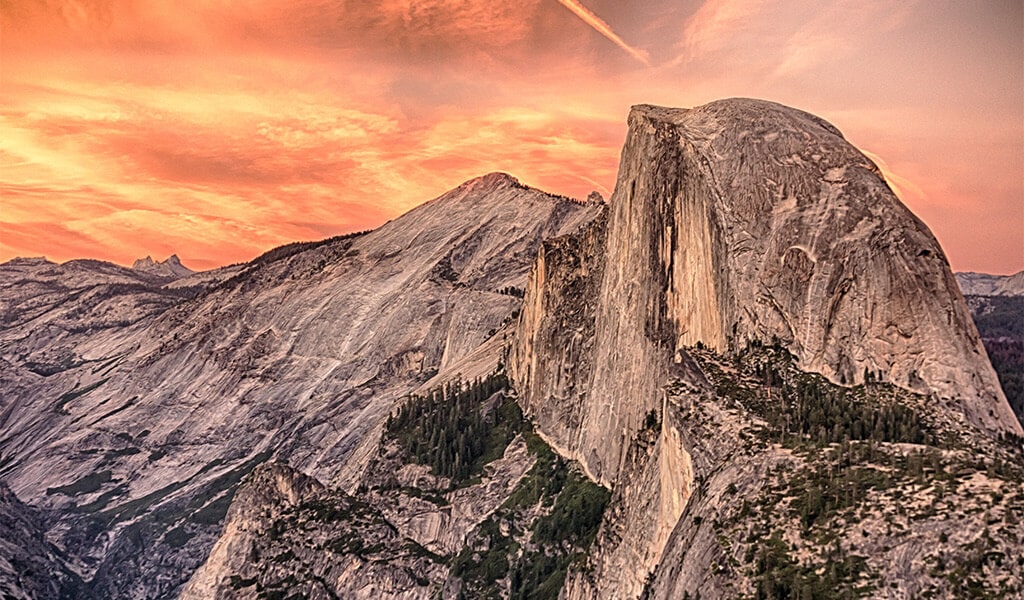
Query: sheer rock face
x=743 y=220
x=735 y=221
x=781 y=228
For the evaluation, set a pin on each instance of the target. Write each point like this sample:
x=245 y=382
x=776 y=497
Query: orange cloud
x=216 y=130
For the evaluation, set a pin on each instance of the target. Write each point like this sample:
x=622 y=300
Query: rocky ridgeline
x=133 y=433
x=983 y=284
x=751 y=374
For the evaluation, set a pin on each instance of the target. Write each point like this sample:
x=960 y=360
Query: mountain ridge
x=984 y=284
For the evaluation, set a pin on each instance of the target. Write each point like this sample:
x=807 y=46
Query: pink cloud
x=217 y=130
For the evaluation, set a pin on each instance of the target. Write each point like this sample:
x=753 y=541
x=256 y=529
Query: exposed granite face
x=171 y=268
x=807 y=244
x=140 y=403
x=31 y=568
x=893 y=519
x=441 y=527
x=553 y=350
x=286 y=532
x=736 y=221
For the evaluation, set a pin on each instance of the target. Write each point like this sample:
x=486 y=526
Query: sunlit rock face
x=137 y=402
x=130 y=402
x=735 y=221
x=740 y=220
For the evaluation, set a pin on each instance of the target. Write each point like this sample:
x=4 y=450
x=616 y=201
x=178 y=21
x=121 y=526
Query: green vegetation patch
x=779 y=576
x=535 y=553
x=805 y=409
x=450 y=430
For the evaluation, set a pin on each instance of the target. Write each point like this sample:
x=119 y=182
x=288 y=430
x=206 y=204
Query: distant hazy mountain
x=750 y=374
x=171 y=267
x=982 y=284
x=997 y=306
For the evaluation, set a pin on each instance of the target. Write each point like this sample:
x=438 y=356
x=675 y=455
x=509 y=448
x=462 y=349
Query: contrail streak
x=601 y=27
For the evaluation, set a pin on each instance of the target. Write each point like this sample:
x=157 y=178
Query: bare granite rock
x=132 y=407
x=745 y=220
x=287 y=533
x=737 y=222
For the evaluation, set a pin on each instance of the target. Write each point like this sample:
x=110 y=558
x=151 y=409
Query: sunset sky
x=218 y=129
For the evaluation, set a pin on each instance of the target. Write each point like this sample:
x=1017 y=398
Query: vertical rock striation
x=736 y=221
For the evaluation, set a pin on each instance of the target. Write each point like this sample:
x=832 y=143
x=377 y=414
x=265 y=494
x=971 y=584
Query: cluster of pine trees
x=828 y=414
x=512 y=291
x=448 y=428
x=813 y=408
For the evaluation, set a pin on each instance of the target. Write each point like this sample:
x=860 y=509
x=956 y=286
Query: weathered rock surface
x=737 y=221
x=287 y=534
x=983 y=284
x=880 y=519
x=746 y=220
x=443 y=522
x=152 y=401
x=30 y=567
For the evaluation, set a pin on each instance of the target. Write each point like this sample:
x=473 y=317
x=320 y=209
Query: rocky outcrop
x=31 y=568
x=441 y=522
x=286 y=533
x=170 y=268
x=736 y=221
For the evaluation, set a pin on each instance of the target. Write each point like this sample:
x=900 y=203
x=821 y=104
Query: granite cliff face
x=734 y=223
x=746 y=220
x=287 y=532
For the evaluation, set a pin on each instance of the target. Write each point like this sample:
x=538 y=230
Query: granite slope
x=139 y=434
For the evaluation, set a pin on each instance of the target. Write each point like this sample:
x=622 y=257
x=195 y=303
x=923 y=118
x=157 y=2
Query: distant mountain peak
x=492 y=181
x=983 y=284
x=171 y=267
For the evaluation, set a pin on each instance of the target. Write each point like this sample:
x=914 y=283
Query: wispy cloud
x=604 y=29
x=218 y=129
x=716 y=24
